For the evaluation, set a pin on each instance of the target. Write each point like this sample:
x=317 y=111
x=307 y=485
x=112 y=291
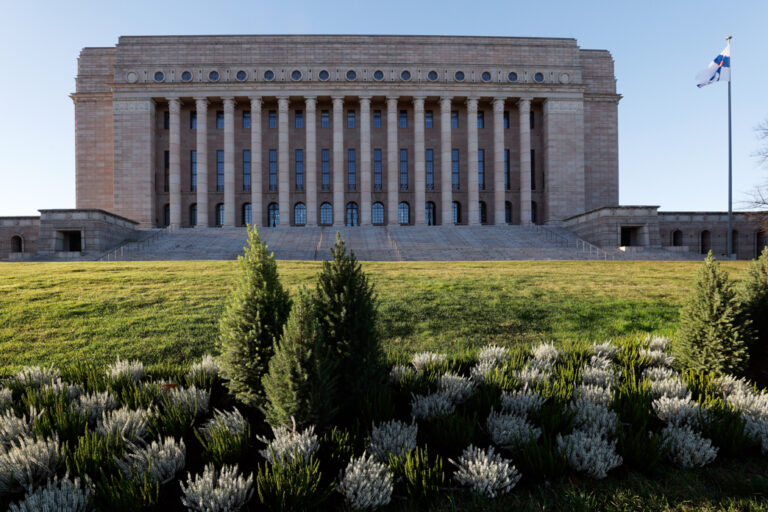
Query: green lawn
x=168 y=311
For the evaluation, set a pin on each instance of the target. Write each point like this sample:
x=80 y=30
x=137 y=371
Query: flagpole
x=730 y=165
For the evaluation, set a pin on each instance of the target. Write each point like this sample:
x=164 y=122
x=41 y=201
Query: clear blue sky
x=672 y=136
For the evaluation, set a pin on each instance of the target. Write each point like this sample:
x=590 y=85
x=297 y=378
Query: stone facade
x=18 y=236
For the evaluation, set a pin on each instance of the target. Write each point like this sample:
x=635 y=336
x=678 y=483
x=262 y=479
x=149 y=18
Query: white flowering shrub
x=521 y=402
x=672 y=387
x=510 y=430
x=400 y=372
x=160 y=460
x=494 y=353
x=485 y=472
x=479 y=372
x=658 y=373
x=206 y=367
x=62 y=495
x=545 y=354
x=28 y=462
x=423 y=359
x=593 y=376
x=126 y=370
x=678 y=411
x=753 y=408
x=366 y=483
x=94 y=405
x=194 y=401
x=59 y=387
x=392 y=438
x=601 y=362
x=130 y=424
x=594 y=394
x=684 y=446
x=658 y=343
x=6 y=398
x=12 y=427
x=592 y=419
x=657 y=357
x=426 y=407
x=590 y=454
x=289 y=444
x=730 y=385
x=233 y=421
x=533 y=375
x=217 y=491
x=604 y=350
x=37 y=377
x=455 y=387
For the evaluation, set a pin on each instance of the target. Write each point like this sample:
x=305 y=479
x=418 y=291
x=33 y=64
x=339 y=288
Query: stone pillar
x=524 y=109
x=419 y=171
x=257 y=203
x=201 y=105
x=392 y=161
x=310 y=160
x=446 y=183
x=498 y=162
x=283 y=166
x=174 y=148
x=338 y=160
x=365 y=161
x=563 y=182
x=473 y=194
x=230 y=208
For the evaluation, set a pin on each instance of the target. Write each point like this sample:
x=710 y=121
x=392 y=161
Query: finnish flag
x=719 y=70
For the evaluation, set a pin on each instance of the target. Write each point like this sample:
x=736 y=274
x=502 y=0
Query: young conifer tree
x=301 y=382
x=754 y=303
x=252 y=321
x=712 y=334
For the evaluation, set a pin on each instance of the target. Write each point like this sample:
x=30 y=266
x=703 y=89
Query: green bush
x=712 y=333
x=126 y=493
x=223 y=446
x=94 y=455
x=753 y=295
x=337 y=447
x=422 y=478
x=62 y=419
x=292 y=485
x=135 y=395
x=724 y=425
x=252 y=322
x=540 y=460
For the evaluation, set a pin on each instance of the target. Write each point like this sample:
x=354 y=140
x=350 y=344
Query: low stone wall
x=99 y=230
x=602 y=226
x=18 y=233
x=699 y=232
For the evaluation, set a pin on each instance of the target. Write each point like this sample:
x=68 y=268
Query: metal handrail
x=137 y=246
x=581 y=244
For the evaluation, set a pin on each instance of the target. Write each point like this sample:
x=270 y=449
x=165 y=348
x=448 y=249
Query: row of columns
x=393 y=160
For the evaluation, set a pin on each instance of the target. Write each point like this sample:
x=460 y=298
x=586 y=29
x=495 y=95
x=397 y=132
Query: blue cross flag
x=719 y=70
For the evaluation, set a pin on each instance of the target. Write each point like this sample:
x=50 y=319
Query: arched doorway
x=677 y=238
x=17 y=244
x=705 y=242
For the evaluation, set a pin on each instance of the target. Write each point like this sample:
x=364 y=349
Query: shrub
x=589 y=453
x=289 y=444
x=540 y=460
x=687 y=448
x=595 y=420
x=252 y=322
x=422 y=360
x=125 y=371
x=136 y=395
x=12 y=427
x=712 y=334
x=533 y=376
x=392 y=438
x=337 y=447
x=672 y=387
x=36 y=377
x=486 y=473
x=64 y=494
x=545 y=354
x=291 y=484
x=216 y=491
x=510 y=430
x=6 y=398
x=204 y=373
x=493 y=353
x=366 y=484
x=302 y=377
x=640 y=448
x=594 y=394
x=94 y=405
x=161 y=460
x=94 y=454
x=61 y=420
x=124 y=423
x=225 y=437
x=678 y=411
x=726 y=428
x=447 y=434
x=753 y=296
x=194 y=401
x=605 y=349
x=595 y=376
x=401 y=372
x=28 y=462
x=521 y=402
x=118 y=493
x=423 y=480
x=426 y=407
x=455 y=387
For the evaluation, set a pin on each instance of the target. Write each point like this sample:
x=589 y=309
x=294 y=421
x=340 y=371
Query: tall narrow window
x=455 y=184
x=377 y=180
x=193 y=171
x=325 y=119
x=193 y=120
x=506 y=119
x=193 y=214
x=377 y=118
x=481 y=169
x=167 y=215
x=456 y=211
x=353 y=217
x=246 y=120
x=246 y=170
x=299 y=119
x=273 y=213
x=533 y=169
x=483 y=212
x=219 y=170
x=532 y=118
x=454 y=118
x=403 y=169
x=403 y=119
x=534 y=213
x=325 y=169
x=272 y=170
x=350 y=118
x=429 y=168
x=481 y=119
x=508 y=212
x=166 y=169
x=219 y=214
x=429 y=119
x=430 y=213
x=273 y=118
x=166 y=120
x=403 y=213
x=507 y=180
x=326 y=214
x=351 y=170
x=247 y=215
x=300 y=214
x=377 y=214
x=219 y=120
x=299 y=169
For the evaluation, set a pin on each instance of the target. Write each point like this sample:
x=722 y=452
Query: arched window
x=326 y=214
x=352 y=215
x=17 y=244
x=705 y=242
x=735 y=242
x=300 y=214
x=430 y=212
x=274 y=215
x=507 y=212
x=247 y=215
x=167 y=215
x=193 y=214
x=483 y=213
x=677 y=238
x=219 y=215
x=377 y=214
x=456 y=212
x=534 y=213
x=404 y=213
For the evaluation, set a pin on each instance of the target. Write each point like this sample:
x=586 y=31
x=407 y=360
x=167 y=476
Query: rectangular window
x=377 y=118
x=506 y=119
x=193 y=120
x=506 y=170
x=246 y=170
x=403 y=119
x=351 y=170
x=403 y=169
x=532 y=117
x=350 y=118
x=299 y=119
x=429 y=169
x=219 y=170
x=299 y=169
x=272 y=170
x=219 y=120
x=193 y=171
x=533 y=169
x=429 y=119
x=325 y=119
x=454 y=118
x=325 y=169
x=455 y=169
x=166 y=169
x=481 y=169
x=481 y=119
x=377 y=181
x=246 y=120
x=166 y=120
x=272 y=119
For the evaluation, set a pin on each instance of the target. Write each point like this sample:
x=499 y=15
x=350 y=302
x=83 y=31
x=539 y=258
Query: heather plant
x=94 y=454
x=28 y=462
x=605 y=350
x=93 y=405
x=423 y=360
x=400 y=373
x=592 y=419
x=521 y=402
x=392 y=438
x=510 y=430
x=479 y=373
x=6 y=398
x=447 y=434
x=12 y=426
x=672 y=387
x=59 y=419
x=545 y=354
x=193 y=400
x=486 y=473
x=124 y=372
x=540 y=460
x=216 y=491
x=493 y=353
x=252 y=322
x=136 y=395
x=204 y=373
x=292 y=484
x=455 y=387
x=366 y=483
x=161 y=460
x=726 y=427
x=423 y=478
x=686 y=447
x=678 y=411
x=57 y=495
x=288 y=444
x=589 y=453
x=593 y=394
x=121 y=493
x=337 y=447
x=426 y=407
x=225 y=438
x=36 y=377
x=125 y=423
x=533 y=376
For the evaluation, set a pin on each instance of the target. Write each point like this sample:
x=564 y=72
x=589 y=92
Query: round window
x=538 y=77
x=324 y=75
x=241 y=76
x=296 y=75
x=405 y=75
x=159 y=76
x=459 y=76
x=512 y=76
x=186 y=76
x=432 y=76
x=213 y=76
x=351 y=75
x=269 y=75
x=378 y=75
x=486 y=76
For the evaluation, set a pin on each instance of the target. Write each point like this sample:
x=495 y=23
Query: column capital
x=392 y=101
x=418 y=102
x=338 y=101
x=201 y=102
x=364 y=99
x=472 y=104
x=310 y=102
x=174 y=105
x=445 y=102
x=498 y=104
x=524 y=101
x=229 y=103
x=256 y=102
